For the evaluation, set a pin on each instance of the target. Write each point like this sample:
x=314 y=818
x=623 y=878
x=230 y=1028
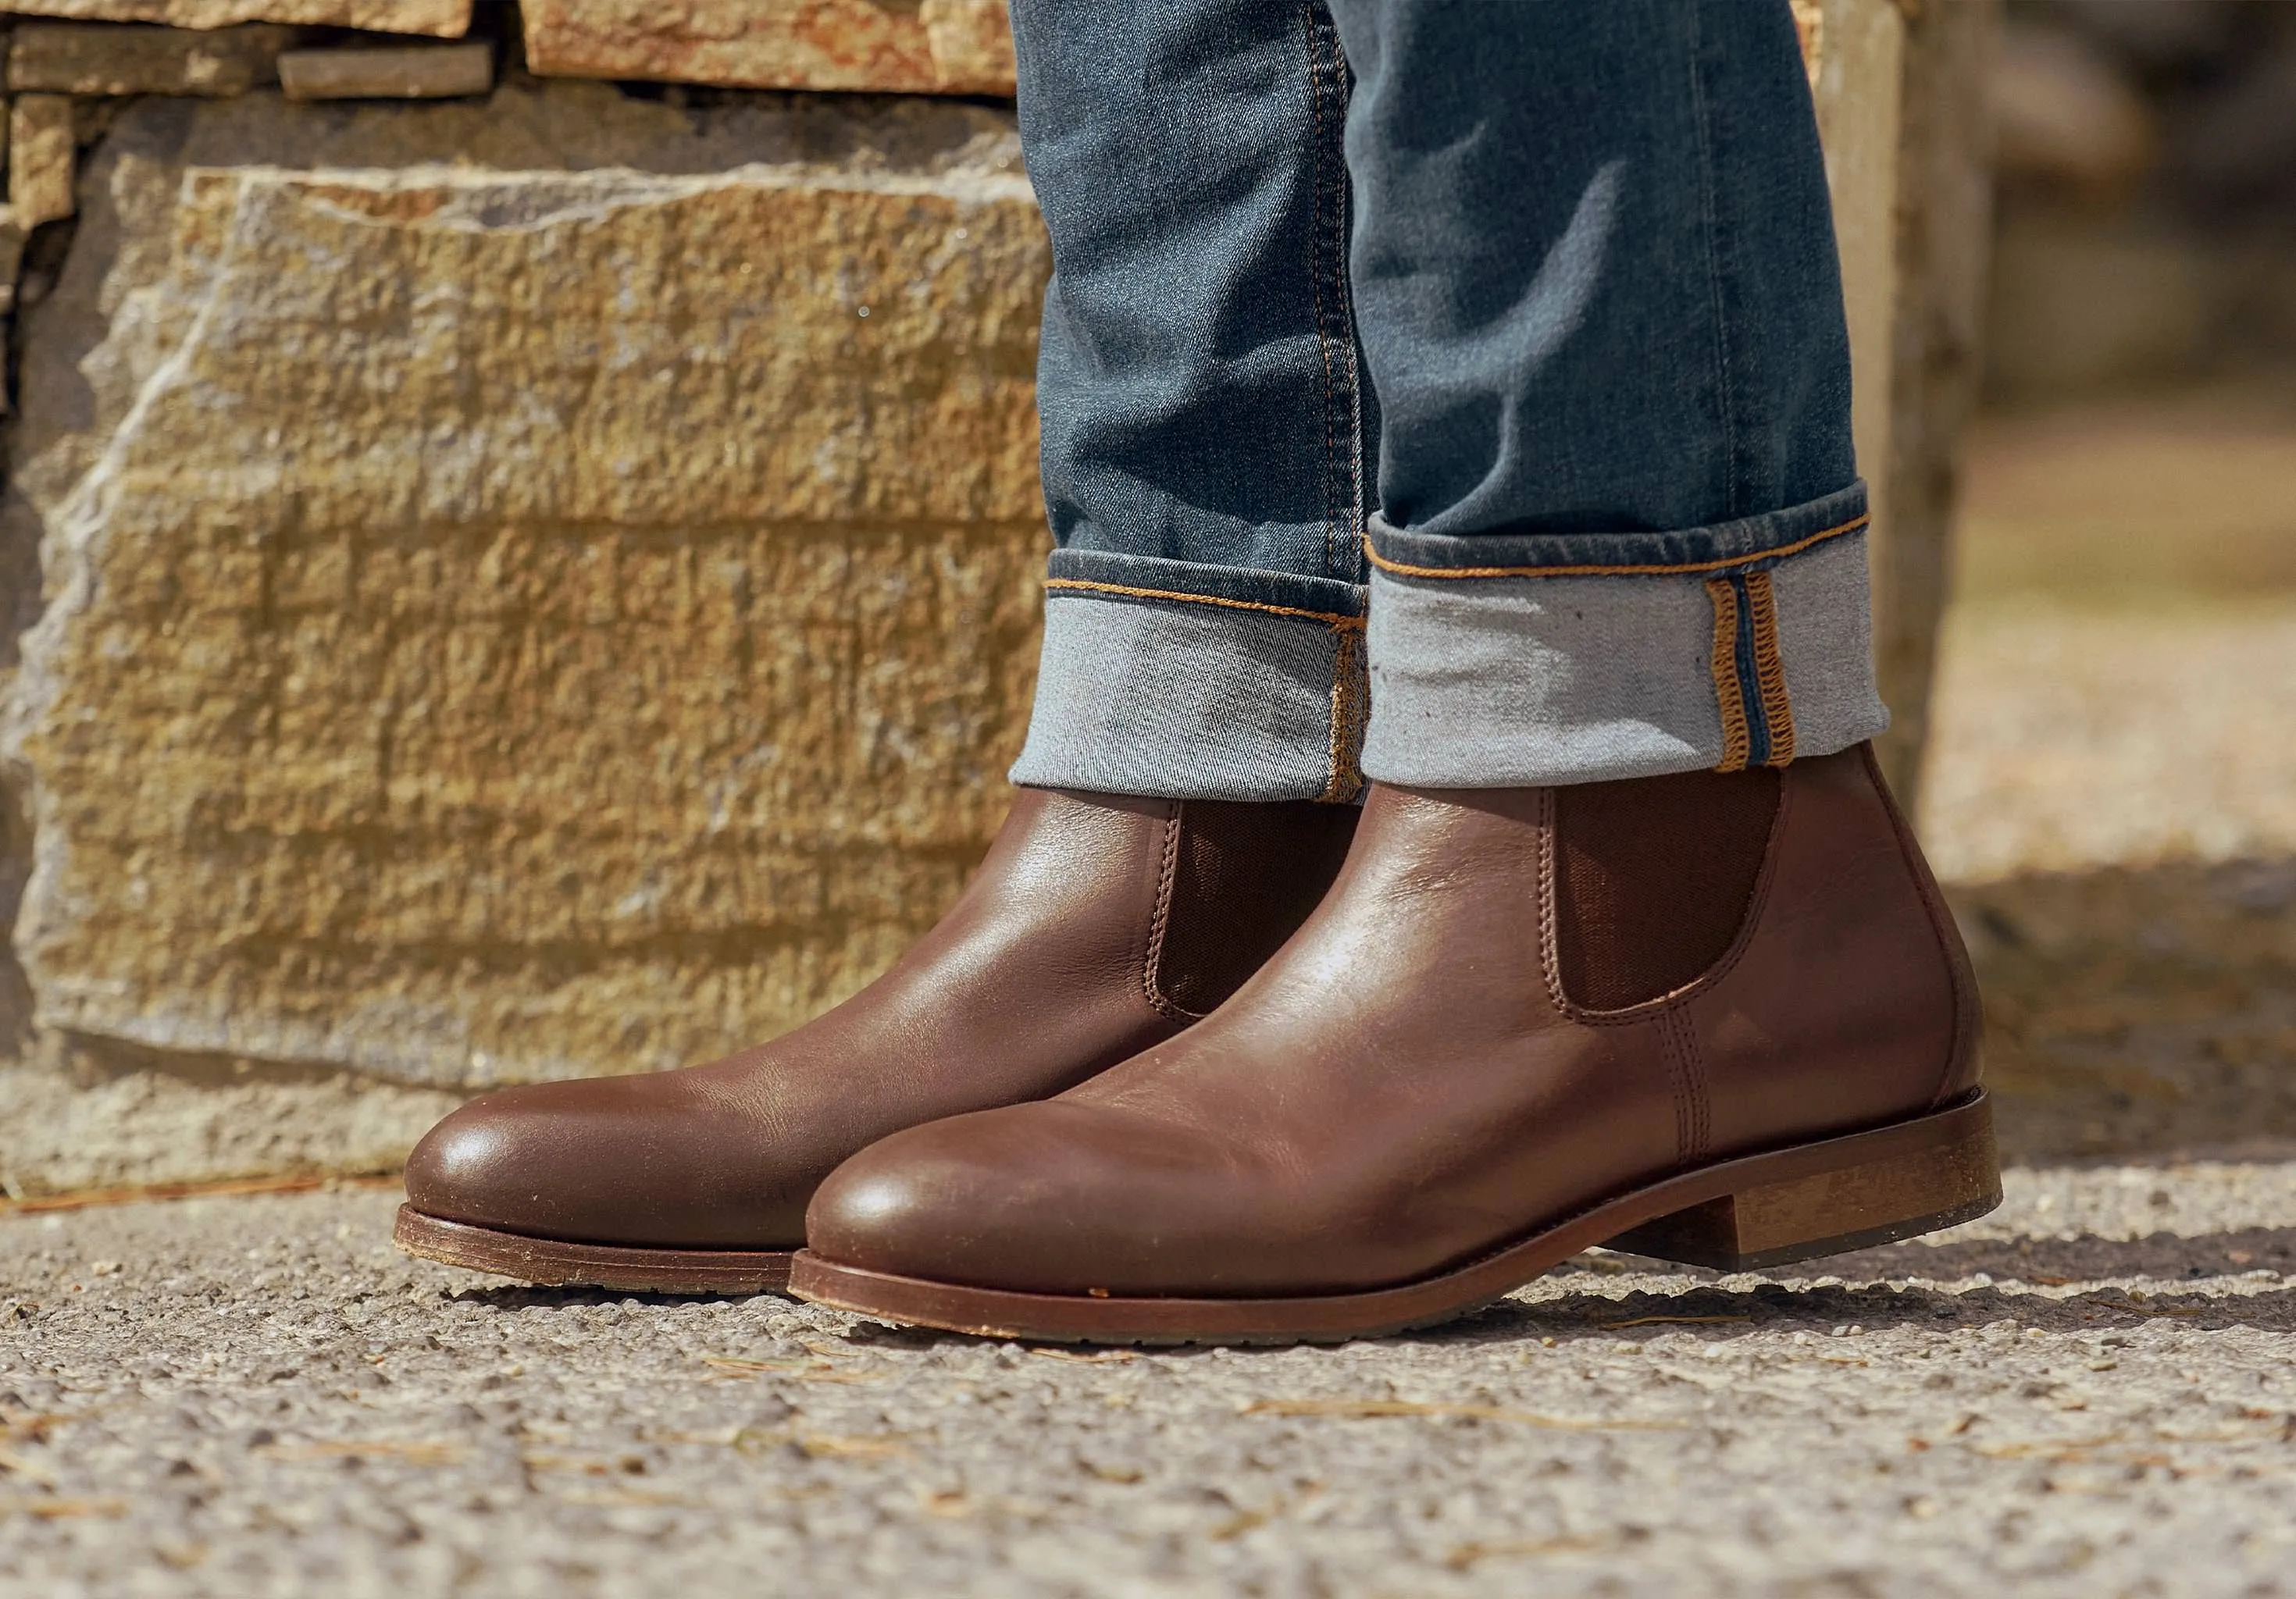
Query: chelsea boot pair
x=1716 y=1018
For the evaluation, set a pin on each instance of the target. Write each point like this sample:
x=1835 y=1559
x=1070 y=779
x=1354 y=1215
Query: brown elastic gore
x=1654 y=878
x=1240 y=877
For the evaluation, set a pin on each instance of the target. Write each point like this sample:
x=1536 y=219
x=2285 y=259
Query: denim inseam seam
x=1351 y=715
x=1328 y=236
x=1729 y=698
x=1770 y=669
x=1750 y=674
x=1725 y=409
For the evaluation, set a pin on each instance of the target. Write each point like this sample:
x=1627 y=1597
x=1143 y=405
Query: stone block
x=13 y=237
x=445 y=19
x=402 y=72
x=937 y=46
x=96 y=1117
x=83 y=58
x=41 y=160
x=530 y=590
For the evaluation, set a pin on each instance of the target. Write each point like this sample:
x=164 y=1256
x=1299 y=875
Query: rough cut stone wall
x=537 y=582
x=525 y=588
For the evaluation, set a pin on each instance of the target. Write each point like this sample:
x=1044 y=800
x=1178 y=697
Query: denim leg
x=1619 y=528
x=1203 y=413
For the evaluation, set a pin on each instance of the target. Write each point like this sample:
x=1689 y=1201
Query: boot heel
x=1846 y=1194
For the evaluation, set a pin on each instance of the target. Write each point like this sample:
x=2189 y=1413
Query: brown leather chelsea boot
x=1097 y=927
x=1718 y=1019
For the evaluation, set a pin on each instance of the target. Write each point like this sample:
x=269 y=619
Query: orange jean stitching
x=1737 y=740
x=1681 y=568
x=1348 y=714
x=1770 y=670
x=1335 y=619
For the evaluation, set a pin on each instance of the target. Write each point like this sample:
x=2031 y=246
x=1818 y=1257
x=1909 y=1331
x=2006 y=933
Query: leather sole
x=551 y=1263
x=1822 y=1198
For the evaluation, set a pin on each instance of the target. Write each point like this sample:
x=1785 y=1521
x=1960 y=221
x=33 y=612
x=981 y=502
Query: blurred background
x=2110 y=785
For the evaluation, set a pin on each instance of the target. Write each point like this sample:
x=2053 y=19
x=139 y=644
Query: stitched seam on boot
x=1967 y=1004
x=1152 y=961
x=1550 y=925
x=1677 y=1082
x=1701 y=1097
x=1550 y=936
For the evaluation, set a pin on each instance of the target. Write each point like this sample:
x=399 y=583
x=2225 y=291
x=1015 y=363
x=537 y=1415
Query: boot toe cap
x=1044 y=1198
x=460 y=1167
x=617 y=1160
x=499 y=1161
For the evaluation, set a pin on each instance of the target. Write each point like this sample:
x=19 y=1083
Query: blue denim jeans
x=1449 y=392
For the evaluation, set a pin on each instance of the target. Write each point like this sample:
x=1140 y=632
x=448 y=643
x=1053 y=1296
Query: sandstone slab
x=562 y=612
x=98 y=1118
x=400 y=72
x=935 y=46
x=41 y=160
x=447 y=19
x=76 y=58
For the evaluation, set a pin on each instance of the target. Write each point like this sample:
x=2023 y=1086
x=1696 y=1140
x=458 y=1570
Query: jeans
x=1452 y=393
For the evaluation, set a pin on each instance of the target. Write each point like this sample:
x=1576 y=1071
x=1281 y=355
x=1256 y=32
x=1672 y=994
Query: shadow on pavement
x=2139 y=1012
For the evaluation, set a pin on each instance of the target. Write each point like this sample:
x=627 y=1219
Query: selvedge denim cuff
x=1188 y=681
x=1523 y=659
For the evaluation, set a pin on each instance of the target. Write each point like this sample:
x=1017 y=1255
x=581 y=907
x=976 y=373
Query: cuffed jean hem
x=1192 y=682
x=1507 y=661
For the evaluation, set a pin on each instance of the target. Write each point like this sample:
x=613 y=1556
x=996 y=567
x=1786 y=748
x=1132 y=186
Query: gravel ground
x=2091 y=1391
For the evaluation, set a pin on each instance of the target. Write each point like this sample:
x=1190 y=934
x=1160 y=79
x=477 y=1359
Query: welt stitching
x=1676 y=568
x=1151 y=963
x=1335 y=618
x=1721 y=969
